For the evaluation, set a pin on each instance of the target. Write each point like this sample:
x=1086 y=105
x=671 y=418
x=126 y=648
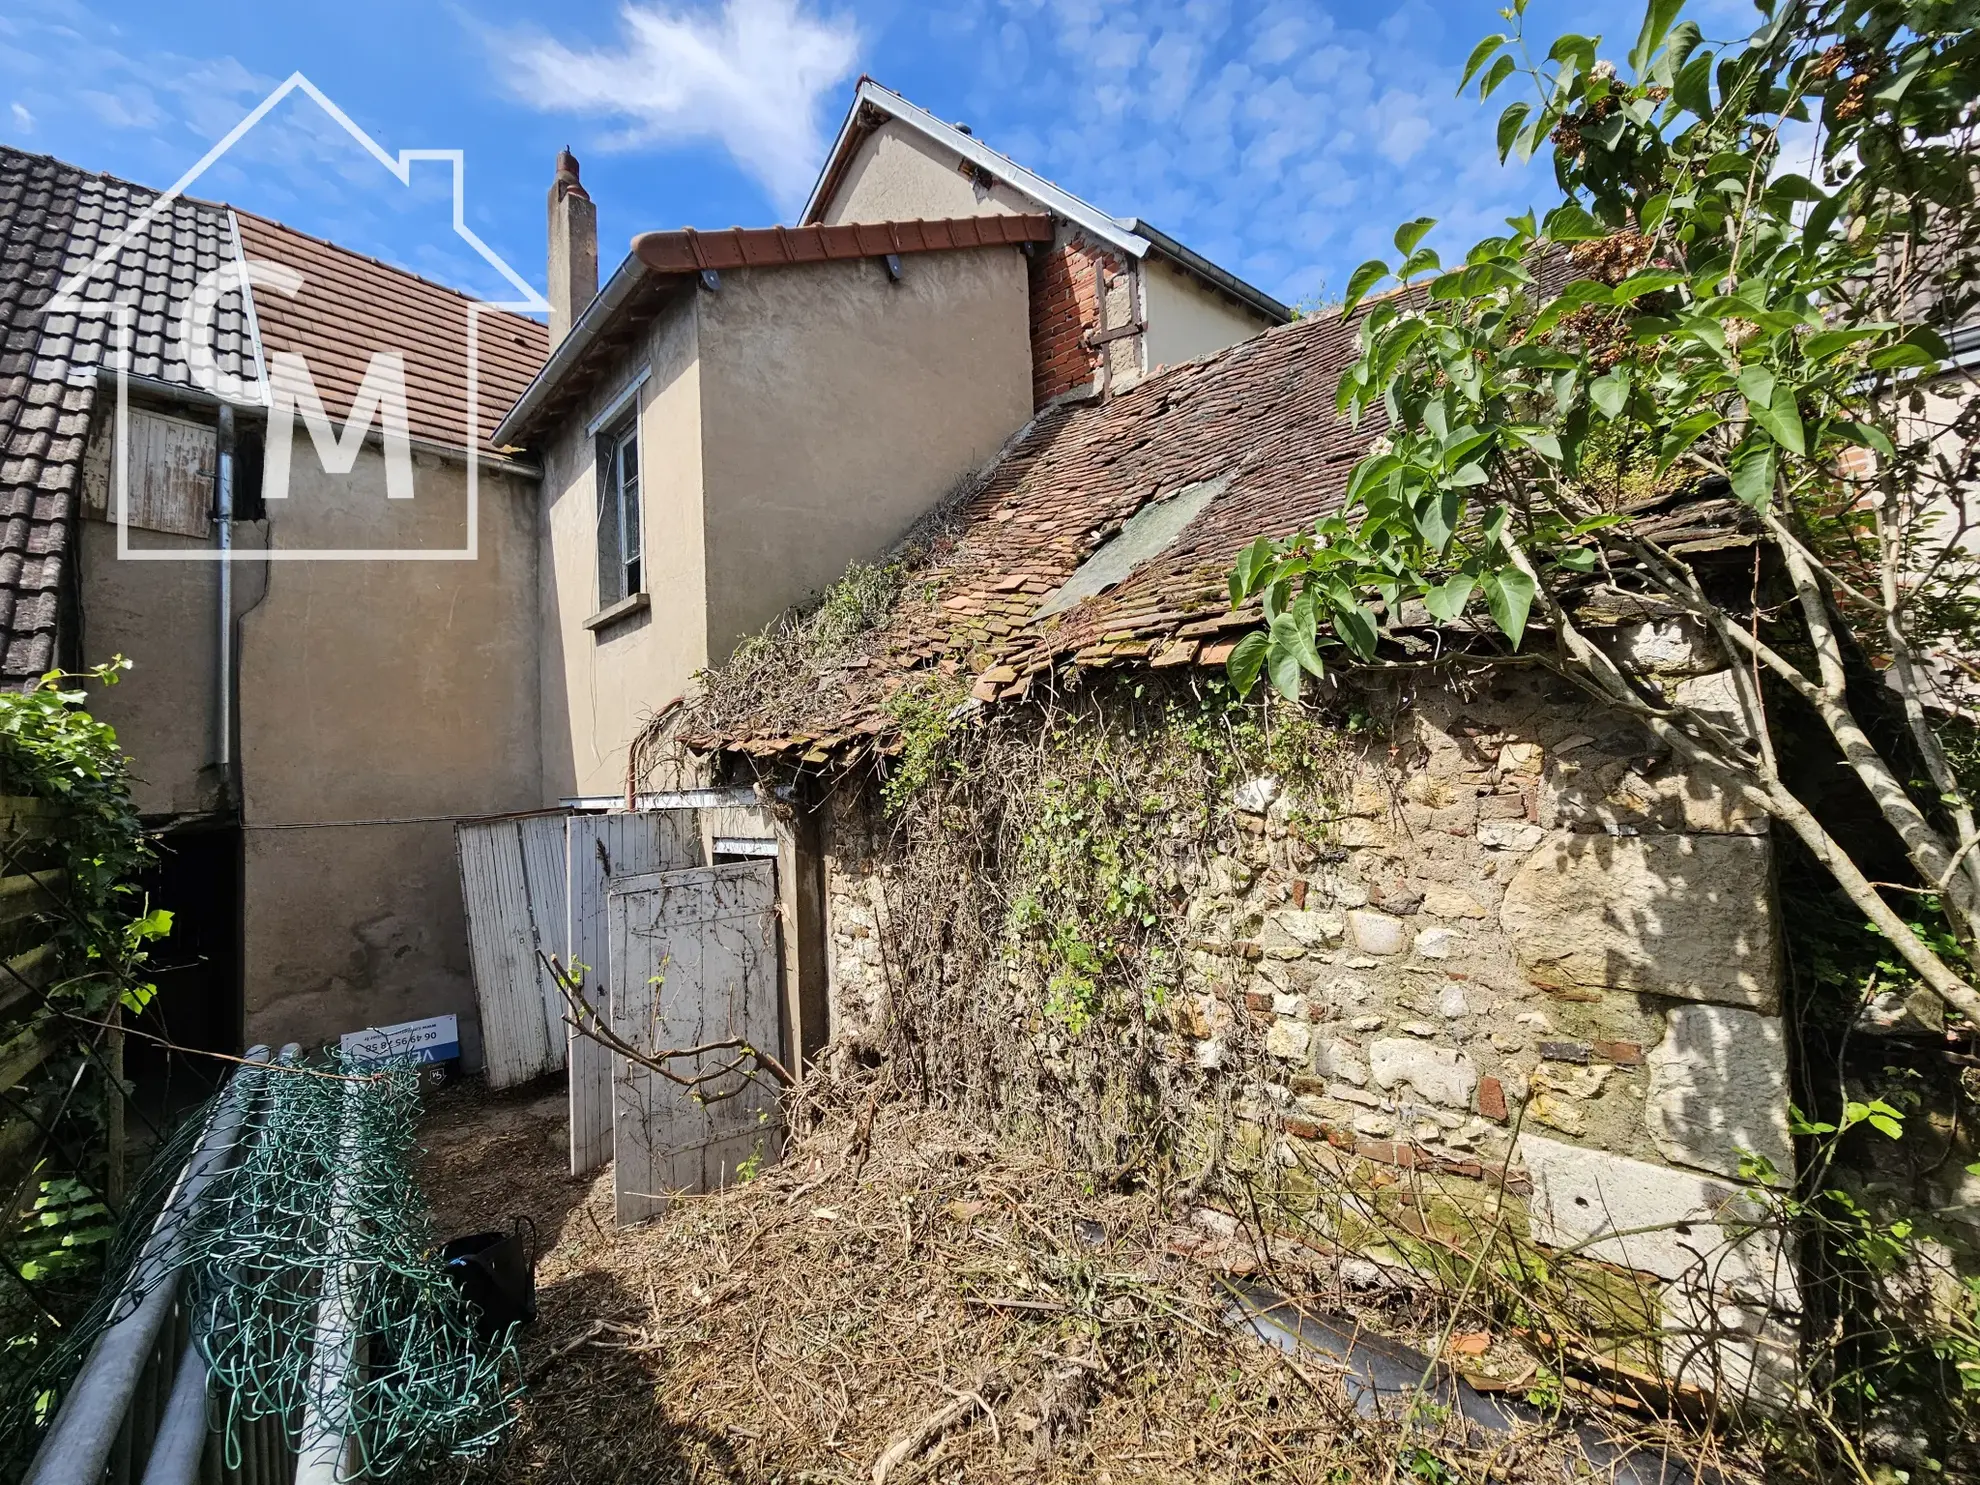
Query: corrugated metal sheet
x=603 y=849
x=512 y=887
x=696 y=953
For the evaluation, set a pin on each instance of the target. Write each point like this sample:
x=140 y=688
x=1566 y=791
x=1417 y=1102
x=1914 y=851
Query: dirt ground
x=905 y=1299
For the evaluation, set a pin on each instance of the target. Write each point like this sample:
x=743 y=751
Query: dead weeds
x=905 y=1299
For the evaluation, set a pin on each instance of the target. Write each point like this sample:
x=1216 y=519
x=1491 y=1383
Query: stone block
x=1440 y=1074
x=1288 y=1039
x=1690 y=917
x=1337 y=1059
x=1255 y=796
x=1376 y=932
x=1450 y=902
x=1676 y=1224
x=1510 y=835
x=1308 y=929
x=1434 y=943
x=1719 y=1086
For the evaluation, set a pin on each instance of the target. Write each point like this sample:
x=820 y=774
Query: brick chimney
x=573 y=248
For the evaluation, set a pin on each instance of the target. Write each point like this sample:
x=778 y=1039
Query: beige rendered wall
x=898 y=174
x=379 y=701
x=1186 y=319
x=599 y=686
x=838 y=406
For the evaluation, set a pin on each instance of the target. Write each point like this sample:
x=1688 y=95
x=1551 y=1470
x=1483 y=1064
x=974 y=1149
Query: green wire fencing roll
x=317 y=1295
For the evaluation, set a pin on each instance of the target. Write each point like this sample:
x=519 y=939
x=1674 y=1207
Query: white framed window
x=621 y=552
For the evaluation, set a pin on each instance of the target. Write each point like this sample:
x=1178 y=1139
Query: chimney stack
x=573 y=248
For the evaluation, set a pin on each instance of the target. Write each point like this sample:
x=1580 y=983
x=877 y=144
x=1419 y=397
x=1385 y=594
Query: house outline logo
x=291 y=395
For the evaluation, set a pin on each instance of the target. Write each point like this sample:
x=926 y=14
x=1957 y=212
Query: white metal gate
x=604 y=850
x=695 y=962
x=512 y=887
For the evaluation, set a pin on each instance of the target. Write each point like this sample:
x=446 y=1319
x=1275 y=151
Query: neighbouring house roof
x=661 y=261
x=56 y=222
x=873 y=104
x=1104 y=536
x=351 y=306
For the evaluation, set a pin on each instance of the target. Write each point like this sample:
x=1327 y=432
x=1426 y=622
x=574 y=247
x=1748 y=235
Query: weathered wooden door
x=695 y=962
x=605 y=850
x=513 y=891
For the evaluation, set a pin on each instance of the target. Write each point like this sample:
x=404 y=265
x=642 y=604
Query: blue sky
x=1284 y=139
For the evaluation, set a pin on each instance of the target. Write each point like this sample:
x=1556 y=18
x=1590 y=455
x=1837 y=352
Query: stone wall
x=1526 y=954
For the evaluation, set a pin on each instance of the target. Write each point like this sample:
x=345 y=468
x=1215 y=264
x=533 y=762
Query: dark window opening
x=248 y=452
x=620 y=550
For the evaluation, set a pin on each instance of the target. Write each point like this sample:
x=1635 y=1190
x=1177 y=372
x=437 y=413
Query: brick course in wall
x=1063 y=309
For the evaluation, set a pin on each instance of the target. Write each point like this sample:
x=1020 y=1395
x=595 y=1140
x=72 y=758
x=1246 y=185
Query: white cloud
x=23 y=120
x=1283 y=138
x=750 y=78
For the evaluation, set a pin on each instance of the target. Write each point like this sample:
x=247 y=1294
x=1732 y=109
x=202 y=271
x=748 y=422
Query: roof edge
x=691 y=251
x=1194 y=262
x=590 y=324
x=1132 y=236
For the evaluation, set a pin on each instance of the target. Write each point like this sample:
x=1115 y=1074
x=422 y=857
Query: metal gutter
x=604 y=304
x=1203 y=268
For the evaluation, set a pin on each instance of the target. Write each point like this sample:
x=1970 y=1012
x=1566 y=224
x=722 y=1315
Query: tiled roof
x=54 y=219
x=690 y=251
x=350 y=306
x=1256 y=423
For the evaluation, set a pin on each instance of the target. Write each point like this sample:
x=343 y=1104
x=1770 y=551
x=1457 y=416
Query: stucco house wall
x=791 y=422
x=839 y=406
x=600 y=683
x=1186 y=318
x=377 y=702
x=899 y=174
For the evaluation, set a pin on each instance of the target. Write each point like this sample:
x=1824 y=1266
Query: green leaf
x=1569 y=222
x=1356 y=627
x=1868 y=436
x=1692 y=91
x=1409 y=234
x=1509 y=123
x=1423 y=260
x=1244 y=662
x=1524 y=224
x=1501 y=70
x=1657 y=20
x=1364 y=278
x=1509 y=598
x=1547 y=445
x=1780 y=417
x=1648 y=281
x=1753 y=472
x=1903 y=356
x=1465 y=476
x=1436 y=518
x=1447 y=600
x=1684 y=433
x=1576 y=559
x=1826 y=344
x=1756 y=384
x=1292 y=634
x=1572 y=49
x=1610 y=393
x=1476 y=60
x=1252 y=561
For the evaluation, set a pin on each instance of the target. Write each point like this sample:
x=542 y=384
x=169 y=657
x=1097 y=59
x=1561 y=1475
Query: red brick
x=1623 y=1054
x=1492 y=1100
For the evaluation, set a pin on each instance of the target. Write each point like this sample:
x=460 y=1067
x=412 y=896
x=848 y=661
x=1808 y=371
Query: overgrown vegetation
x=72 y=831
x=1038 y=937
x=1746 y=287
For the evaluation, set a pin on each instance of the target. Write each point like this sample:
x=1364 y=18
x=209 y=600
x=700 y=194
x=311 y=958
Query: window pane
x=611 y=564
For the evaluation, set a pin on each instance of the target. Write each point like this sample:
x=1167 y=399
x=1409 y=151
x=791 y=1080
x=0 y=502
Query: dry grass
x=917 y=1290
